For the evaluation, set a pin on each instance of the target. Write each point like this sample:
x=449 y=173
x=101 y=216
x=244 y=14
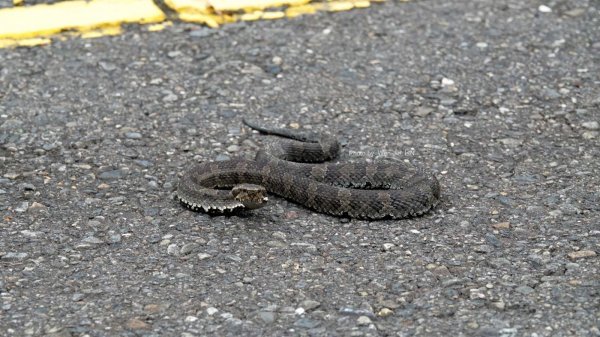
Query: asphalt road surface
x=499 y=98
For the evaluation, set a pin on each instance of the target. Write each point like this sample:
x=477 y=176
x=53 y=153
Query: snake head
x=250 y=195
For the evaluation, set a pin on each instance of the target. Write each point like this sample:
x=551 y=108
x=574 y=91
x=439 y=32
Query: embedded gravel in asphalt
x=500 y=99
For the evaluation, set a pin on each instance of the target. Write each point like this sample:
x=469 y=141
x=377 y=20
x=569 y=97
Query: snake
x=298 y=167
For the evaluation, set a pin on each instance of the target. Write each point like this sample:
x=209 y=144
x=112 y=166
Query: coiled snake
x=287 y=168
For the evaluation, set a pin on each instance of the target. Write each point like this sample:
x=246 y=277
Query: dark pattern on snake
x=356 y=190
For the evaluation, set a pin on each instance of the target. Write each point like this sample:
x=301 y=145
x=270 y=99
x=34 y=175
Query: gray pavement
x=499 y=99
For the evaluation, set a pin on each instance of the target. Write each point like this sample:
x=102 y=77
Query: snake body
x=287 y=168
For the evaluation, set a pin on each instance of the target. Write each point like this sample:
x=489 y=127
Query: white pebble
x=388 y=246
x=591 y=125
x=277 y=60
x=363 y=320
x=447 y=82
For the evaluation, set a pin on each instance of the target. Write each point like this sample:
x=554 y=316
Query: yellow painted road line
x=45 y=20
x=203 y=11
x=34 y=25
x=236 y=5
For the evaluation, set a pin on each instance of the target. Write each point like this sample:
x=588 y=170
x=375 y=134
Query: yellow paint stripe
x=202 y=11
x=159 y=26
x=36 y=41
x=311 y=8
x=300 y=10
x=197 y=6
x=236 y=5
x=110 y=30
x=44 y=20
x=32 y=25
x=260 y=15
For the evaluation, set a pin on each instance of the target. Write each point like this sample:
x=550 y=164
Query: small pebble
x=555 y=213
x=450 y=102
x=499 y=305
x=22 y=207
x=267 y=317
x=388 y=246
x=114 y=238
x=525 y=290
x=228 y=113
x=234 y=258
x=511 y=141
x=472 y=325
x=308 y=247
x=492 y=240
x=28 y=187
x=77 y=297
x=36 y=205
x=276 y=244
x=137 y=324
x=174 y=53
x=581 y=254
x=290 y=215
x=92 y=240
x=502 y=225
x=133 y=135
x=277 y=60
x=170 y=98
x=422 y=111
x=143 y=163
x=310 y=304
x=363 y=320
x=188 y=248
x=191 y=319
x=552 y=94
x=112 y=174
x=30 y=234
x=172 y=249
x=483 y=249
x=358 y=312
x=14 y=256
x=203 y=256
x=107 y=66
x=307 y=323
x=202 y=32
x=278 y=235
x=447 y=82
x=591 y=125
x=575 y=12
x=11 y=175
x=384 y=312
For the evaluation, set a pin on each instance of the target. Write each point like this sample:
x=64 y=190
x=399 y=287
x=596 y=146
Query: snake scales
x=356 y=190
